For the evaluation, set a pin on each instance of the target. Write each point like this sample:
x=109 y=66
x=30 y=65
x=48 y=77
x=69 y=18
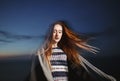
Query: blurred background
x=23 y=24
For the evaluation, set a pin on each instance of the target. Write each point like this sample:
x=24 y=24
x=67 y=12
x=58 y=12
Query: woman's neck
x=54 y=45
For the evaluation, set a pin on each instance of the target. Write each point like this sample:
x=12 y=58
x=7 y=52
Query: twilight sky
x=23 y=23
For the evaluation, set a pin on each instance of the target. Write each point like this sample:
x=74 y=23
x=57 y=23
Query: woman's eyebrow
x=57 y=30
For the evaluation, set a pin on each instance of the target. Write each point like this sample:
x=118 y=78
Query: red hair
x=69 y=43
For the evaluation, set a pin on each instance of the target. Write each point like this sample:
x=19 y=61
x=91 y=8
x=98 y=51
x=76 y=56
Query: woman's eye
x=54 y=32
x=60 y=31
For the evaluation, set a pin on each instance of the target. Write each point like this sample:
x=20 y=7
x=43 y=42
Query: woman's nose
x=56 y=33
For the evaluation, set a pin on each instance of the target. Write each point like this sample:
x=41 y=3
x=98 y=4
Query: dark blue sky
x=24 y=22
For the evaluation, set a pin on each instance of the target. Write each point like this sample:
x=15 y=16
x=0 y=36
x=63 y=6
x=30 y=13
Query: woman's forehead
x=57 y=27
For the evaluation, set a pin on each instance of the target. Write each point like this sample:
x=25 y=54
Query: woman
x=59 y=58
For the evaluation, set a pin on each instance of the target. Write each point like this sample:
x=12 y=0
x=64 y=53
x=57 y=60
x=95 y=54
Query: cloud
x=109 y=31
x=7 y=37
x=6 y=41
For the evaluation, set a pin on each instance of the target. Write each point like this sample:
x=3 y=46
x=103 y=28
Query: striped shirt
x=59 y=66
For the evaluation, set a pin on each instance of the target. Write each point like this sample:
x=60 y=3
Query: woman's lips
x=56 y=38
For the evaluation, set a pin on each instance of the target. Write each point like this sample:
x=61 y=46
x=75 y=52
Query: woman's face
x=57 y=33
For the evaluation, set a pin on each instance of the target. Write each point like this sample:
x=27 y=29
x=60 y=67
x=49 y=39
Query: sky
x=23 y=23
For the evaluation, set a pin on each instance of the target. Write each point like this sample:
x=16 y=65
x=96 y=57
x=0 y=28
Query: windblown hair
x=69 y=43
